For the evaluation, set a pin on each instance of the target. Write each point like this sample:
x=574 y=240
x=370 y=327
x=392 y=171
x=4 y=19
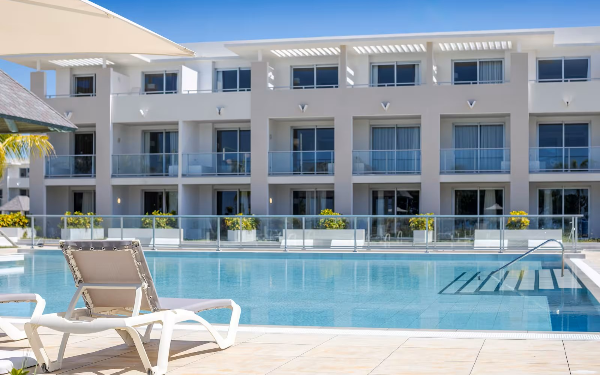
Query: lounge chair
x=114 y=280
x=11 y=331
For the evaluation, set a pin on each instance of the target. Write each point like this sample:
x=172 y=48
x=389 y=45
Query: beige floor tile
x=446 y=368
x=584 y=369
x=418 y=342
x=583 y=357
x=284 y=350
x=577 y=346
x=329 y=351
x=510 y=368
x=433 y=355
x=331 y=365
x=246 y=364
x=352 y=340
x=523 y=356
x=517 y=345
x=285 y=338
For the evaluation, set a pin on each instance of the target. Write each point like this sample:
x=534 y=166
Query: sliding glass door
x=478 y=147
x=159 y=147
x=83 y=161
x=164 y=201
x=84 y=201
x=392 y=203
x=559 y=201
x=311 y=202
x=233 y=151
x=563 y=147
x=477 y=202
x=395 y=149
x=313 y=150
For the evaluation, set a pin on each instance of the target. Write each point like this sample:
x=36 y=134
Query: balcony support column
x=430 y=163
x=104 y=147
x=343 y=68
x=37 y=187
x=343 y=188
x=519 y=134
x=259 y=138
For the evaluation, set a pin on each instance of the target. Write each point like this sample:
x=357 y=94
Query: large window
x=472 y=72
x=24 y=172
x=160 y=83
x=233 y=202
x=564 y=201
x=84 y=85
x=315 y=76
x=478 y=147
x=162 y=147
x=311 y=202
x=563 y=146
x=395 y=148
x=394 y=74
x=563 y=69
x=313 y=150
x=233 y=151
x=164 y=201
x=395 y=202
x=84 y=201
x=233 y=80
x=476 y=202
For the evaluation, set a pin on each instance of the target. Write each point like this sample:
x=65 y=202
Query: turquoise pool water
x=428 y=291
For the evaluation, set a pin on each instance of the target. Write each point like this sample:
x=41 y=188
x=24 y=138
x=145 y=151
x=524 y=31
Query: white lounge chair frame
x=11 y=331
x=126 y=319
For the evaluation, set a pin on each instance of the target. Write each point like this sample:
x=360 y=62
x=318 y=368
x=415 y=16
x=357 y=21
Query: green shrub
x=248 y=222
x=78 y=221
x=13 y=220
x=517 y=222
x=330 y=222
x=160 y=222
x=421 y=223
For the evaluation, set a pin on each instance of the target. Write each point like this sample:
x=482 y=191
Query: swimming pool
x=427 y=291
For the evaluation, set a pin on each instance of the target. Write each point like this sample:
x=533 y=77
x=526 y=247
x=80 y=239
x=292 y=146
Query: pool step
x=513 y=280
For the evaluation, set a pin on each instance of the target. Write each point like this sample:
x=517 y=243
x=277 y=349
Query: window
x=474 y=72
x=394 y=148
x=395 y=74
x=160 y=83
x=563 y=147
x=233 y=80
x=24 y=192
x=478 y=147
x=84 y=85
x=311 y=202
x=395 y=202
x=315 y=76
x=561 y=201
x=475 y=202
x=24 y=172
x=161 y=142
x=564 y=69
x=164 y=201
x=233 y=202
x=313 y=150
x=84 y=201
x=233 y=151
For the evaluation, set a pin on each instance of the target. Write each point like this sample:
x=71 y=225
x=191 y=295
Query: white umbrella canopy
x=75 y=26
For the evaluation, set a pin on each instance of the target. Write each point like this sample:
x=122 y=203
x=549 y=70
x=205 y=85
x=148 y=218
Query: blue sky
x=201 y=20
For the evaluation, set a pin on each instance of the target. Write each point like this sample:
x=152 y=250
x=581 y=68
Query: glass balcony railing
x=145 y=165
x=386 y=162
x=564 y=159
x=216 y=164
x=63 y=166
x=301 y=162
x=475 y=160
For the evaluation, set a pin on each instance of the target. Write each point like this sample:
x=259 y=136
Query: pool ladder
x=531 y=251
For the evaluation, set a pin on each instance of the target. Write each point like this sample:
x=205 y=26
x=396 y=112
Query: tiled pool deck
x=193 y=352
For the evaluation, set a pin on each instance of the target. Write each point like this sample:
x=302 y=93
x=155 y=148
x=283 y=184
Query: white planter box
x=488 y=238
x=533 y=237
x=81 y=234
x=420 y=235
x=246 y=235
x=323 y=238
x=163 y=236
x=16 y=234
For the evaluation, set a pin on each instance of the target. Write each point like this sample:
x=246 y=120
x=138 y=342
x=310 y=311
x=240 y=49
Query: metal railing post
x=355 y=222
x=153 y=232
x=576 y=236
x=426 y=234
x=240 y=232
x=218 y=234
x=368 y=233
x=303 y=233
x=502 y=228
x=285 y=234
x=121 y=227
x=92 y=227
x=32 y=232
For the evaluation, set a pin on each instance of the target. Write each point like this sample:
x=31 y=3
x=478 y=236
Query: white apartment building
x=460 y=123
x=15 y=181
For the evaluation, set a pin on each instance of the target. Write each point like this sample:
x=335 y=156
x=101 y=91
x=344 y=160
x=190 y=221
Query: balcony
x=145 y=165
x=386 y=162
x=68 y=166
x=564 y=159
x=217 y=164
x=301 y=163
x=475 y=160
x=571 y=96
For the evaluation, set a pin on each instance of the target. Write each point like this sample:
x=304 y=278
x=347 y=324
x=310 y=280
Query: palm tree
x=19 y=147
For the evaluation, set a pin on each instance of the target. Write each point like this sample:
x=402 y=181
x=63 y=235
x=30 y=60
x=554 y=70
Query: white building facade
x=469 y=123
x=15 y=181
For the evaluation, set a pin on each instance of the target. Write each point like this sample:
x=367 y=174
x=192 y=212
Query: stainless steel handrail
x=531 y=251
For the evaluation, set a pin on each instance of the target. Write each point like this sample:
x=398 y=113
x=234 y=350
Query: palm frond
x=20 y=147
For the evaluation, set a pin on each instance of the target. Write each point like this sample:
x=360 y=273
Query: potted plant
x=158 y=225
x=78 y=226
x=247 y=233
x=422 y=228
x=15 y=226
x=330 y=232
x=518 y=235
